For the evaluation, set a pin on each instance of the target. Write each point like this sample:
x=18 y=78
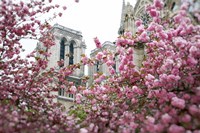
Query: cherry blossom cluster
x=26 y=104
x=164 y=94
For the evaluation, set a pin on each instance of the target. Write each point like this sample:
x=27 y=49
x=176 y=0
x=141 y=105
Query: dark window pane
x=97 y=66
x=62 y=50
x=71 y=54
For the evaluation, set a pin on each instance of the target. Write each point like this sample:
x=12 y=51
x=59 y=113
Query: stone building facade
x=127 y=23
x=129 y=15
x=69 y=46
x=98 y=66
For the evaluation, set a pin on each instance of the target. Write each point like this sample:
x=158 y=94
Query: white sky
x=94 y=18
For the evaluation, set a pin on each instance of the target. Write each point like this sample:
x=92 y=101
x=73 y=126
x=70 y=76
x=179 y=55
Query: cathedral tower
x=69 y=46
x=127 y=24
x=127 y=18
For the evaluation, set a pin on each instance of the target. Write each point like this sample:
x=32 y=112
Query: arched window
x=71 y=53
x=62 y=49
x=97 y=68
x=114 y=66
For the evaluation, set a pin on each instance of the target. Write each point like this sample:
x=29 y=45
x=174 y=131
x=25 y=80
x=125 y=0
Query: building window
x=173 y=6
x=97 y=66
x=62 y=49
x=71 y=96
x=146 y=19
x=71 y=53
x=61 y=92
x=114 y=66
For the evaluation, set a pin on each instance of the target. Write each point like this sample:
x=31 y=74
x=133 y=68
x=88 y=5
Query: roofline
x=103 y=45
x=67 y=29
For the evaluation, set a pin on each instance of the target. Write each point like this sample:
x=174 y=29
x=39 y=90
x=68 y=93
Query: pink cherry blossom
x=166 y=118
x=176 y=129
x=83 y=130
x=78 y=98
x=138 y=22
x=153 y=13
x=162 y=95
x=64 y=7
x=177 y=102
x=97 y=42
x=158 y=4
